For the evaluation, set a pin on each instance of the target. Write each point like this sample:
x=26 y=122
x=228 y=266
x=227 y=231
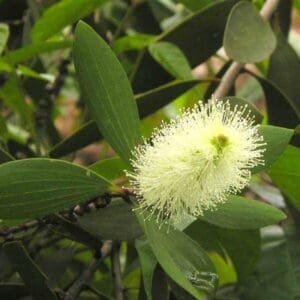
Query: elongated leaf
x=110 y=168
x=151 y=101
x=196 y=5
x=276 y=139
x=243 y=213
x=59 y=15
x=181 y=258
x=279 y=106
x=242 y=249
x=132 y=42
x=277 y=275
x=148 y=263
x=148 y=103
x=72 y=231
x=171 y=58
x=4 y=33
x=207 y=26
x=285 y=172
x=29 y=52
x=106 y=90
x=247 y=37
x=38 y=187
x=34 y=279
x=85 y=135
x=116 y=221
x=284 y=69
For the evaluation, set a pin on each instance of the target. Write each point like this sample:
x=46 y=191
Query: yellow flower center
x=220 y=142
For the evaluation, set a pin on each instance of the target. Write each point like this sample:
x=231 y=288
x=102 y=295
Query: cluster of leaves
x=133 y=60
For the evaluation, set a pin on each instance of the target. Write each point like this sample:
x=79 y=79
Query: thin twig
x=88 y=273
x=7 y=232
x=232 y=72
x=116 y=272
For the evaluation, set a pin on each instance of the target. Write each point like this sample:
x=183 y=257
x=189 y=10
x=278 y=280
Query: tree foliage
x=105 y=74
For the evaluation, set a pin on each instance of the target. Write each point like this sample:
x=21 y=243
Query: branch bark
x=88 y=273
x=116 y=272
x=233 y=71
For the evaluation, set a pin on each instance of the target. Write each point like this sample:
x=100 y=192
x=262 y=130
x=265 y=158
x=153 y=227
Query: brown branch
x=86 y=276
x=116 y=272
x=8 y=232
x=72 y=214
x=233 y=71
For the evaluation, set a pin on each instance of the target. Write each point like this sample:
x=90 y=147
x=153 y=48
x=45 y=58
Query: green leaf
x=110 y=168
x=284 y=69
x=85 y=135
x=195 y=5
x=148 y=264
x=285 y=173
x=31 y=51
x=147 y=102
x=38 y=187
x=248 y=38
x=181 y=258
x=277 y=275
x=206 y=26
x=70 y=230
x=279 y=108
x=151 y=101
x=61 y=14
x=106 y=90
x=172 y=59
x=34 y=279
x=243 y=213
x=4 y=33
x=242 y=249
x=116 y=221
x=25 y=71
x=276 y=139
x=132 y=42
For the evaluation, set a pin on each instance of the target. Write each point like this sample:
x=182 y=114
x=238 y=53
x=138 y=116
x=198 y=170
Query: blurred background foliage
x=172 y=53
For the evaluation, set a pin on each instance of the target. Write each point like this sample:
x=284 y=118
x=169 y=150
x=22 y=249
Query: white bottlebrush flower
x=193 y=163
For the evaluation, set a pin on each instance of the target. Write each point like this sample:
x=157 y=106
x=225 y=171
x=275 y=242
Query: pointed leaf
x=243 y=213
x=147 y=102
x=116 y=221
x=38 y=187
x=172 y=59
x=276 y=139
x=61 y=14
x=110 y=168
x=284 y=69
x=285 y=172
x=22 y=54
x=106 y=90
x=181 y=258
x=148 y=264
